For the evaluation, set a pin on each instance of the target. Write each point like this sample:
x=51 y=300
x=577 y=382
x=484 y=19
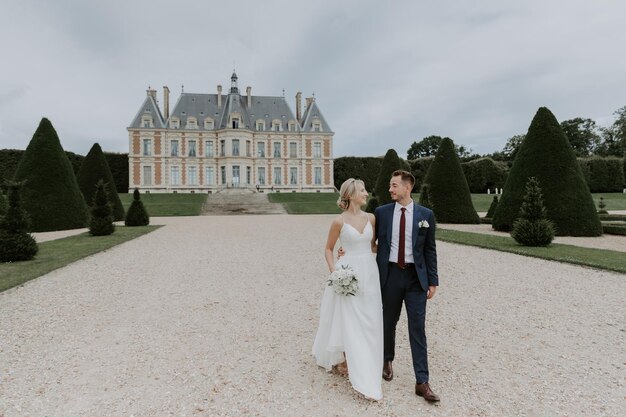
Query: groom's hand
x=340 y=252
x=431 y=291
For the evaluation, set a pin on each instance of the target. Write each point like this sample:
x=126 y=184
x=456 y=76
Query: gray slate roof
x=202 y=106
x=149 y=106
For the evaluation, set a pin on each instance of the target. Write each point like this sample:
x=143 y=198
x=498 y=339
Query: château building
x=210 y=142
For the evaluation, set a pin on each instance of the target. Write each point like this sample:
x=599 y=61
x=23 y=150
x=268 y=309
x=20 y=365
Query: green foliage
x=137 y=214
x=118 y=164
x=3 y=204
x=419 y=168
x=614 y=229
x=9 y=160
x=94 y=169
x=614 y=136
x=449 y=193
x=485 y=174
x=425 y=197
x=547 y=155
x=50 y=195
x=532 y=228
x=363 y=168
x=602 y=207
x=603 y=175
x=371 y=205
x=101 y=221
x=492 y=207
x=429 y=147
x=391 y=163
x=512 y=146
x=16 y=244
x=582 y=135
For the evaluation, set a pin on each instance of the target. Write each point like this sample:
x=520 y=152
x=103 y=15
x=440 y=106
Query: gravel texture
x=215 y=316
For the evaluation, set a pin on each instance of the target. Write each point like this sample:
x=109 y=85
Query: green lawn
x=325 y=203
x=55 y=254
x=597 y=258
x=182 y=204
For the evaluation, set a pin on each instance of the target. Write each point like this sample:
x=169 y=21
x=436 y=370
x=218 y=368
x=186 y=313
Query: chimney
x=309 y=101
x=151 y=92
x=166 y=102
x=219 y=96
x=248 y=91
x=299 y=107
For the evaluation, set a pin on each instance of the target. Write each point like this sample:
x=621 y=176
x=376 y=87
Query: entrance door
x=236 y=176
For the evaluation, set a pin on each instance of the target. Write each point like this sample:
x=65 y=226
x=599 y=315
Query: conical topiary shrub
x=50 y=195
x=137 y=214
x=16 y=244
x=532 y=228
x=425 y=197
x=449 y=193
x=93 y=169
x=101 y=221
x=492 y=207
x=391 y=163
x=547 y=155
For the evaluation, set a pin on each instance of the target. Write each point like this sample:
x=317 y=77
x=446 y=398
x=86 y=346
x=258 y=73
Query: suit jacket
x=424 y=246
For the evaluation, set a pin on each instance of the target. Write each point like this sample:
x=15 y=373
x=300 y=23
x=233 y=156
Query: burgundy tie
x=401 y=240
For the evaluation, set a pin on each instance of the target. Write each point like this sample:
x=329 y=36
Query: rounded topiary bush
x=547 y=155
x=50 y=196
x=16 y=244
x=137 y=214
x=101 y=221
x=532 y=228
x=93 y=169
x=449 y=193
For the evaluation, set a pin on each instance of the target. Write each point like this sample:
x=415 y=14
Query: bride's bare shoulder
x=337 y=221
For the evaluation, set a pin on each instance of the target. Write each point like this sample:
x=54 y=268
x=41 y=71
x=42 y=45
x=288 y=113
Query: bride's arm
x=333 y=235
x=373 y=221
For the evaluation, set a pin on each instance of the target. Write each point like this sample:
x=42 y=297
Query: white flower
x=423 y=224
x=344 y=281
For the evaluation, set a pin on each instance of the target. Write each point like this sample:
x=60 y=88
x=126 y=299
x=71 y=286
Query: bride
x=351 y=327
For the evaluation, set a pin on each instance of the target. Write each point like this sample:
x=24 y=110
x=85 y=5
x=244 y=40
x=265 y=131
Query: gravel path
x=215 y=316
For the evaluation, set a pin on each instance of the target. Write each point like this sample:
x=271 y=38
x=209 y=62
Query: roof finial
x=283 y=92
x=182 y=88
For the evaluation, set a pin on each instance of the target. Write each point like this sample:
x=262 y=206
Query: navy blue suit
x=407 y=285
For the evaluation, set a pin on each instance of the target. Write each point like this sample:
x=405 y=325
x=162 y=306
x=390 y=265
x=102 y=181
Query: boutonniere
x=423 y=224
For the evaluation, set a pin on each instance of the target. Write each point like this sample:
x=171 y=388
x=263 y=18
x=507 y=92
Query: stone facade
x=212 y=141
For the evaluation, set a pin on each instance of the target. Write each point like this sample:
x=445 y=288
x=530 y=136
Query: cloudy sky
x=384 y=73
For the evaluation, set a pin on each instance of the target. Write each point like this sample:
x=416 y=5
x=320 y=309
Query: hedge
x=603 y=175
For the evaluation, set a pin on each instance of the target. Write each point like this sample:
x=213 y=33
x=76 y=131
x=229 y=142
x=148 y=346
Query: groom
x=407 y=261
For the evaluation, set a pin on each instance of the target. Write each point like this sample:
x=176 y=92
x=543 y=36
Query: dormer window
x=175 y=123
x=316 y=126
x=291 y=126
x=276 y=125
x=260 y=125
x=208 y=124
x=235 y=123
x=146 y=121
x=192 y=123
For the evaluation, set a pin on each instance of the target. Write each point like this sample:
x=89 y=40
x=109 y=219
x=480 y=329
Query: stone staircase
x=240 y=201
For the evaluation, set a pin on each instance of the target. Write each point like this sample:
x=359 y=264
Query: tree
x=94 y=169
x=137 y=214
x=547 y=155
x=51 y=195
x=449 y=193
x=3 y=203
x=512 y=145
x=16 y=244
x=582 y=135
x=429 y=146
x=614 y=137
x=101 y=221
x=532 y=228
x=391 y=163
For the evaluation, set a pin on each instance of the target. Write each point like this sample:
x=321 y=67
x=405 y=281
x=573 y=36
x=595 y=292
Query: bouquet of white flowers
x=344 y=281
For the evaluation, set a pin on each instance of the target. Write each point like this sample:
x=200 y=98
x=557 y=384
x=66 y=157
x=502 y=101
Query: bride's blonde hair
x=347 y=192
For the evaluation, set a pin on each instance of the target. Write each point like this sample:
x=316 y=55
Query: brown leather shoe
x=387 y=371
x=423 y=390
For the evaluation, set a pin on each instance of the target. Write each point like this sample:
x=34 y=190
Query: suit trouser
x=403 y=285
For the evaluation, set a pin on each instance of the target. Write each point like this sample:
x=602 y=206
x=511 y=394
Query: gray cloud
x=384 y=74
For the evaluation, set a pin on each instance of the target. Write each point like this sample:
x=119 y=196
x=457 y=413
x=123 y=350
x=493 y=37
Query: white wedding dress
x=354 y=324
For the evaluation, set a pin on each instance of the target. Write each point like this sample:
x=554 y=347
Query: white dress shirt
x=408 y=233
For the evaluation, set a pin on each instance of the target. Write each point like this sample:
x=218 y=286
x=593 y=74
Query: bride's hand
x=340 y=252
